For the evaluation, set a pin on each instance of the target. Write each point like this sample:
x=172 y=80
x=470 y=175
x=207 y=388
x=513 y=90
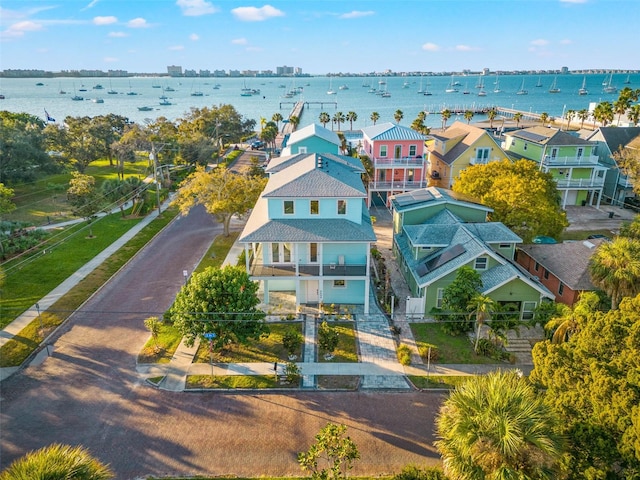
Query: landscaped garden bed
x=237 y=382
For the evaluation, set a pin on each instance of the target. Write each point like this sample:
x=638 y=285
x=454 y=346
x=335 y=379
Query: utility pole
x=154 y=158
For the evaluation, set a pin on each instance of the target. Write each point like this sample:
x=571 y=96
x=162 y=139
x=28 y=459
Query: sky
x=328 y=36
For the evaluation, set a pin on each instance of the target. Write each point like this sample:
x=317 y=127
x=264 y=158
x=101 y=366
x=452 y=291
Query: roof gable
x=548 y=136
x=391 y=131
x=313 y=130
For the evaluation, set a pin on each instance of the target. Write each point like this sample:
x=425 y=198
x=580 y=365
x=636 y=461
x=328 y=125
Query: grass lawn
x=16 y=350
x=168 y=341
x=346 y=351
x=583 y=234
x=217 y=251
x=28 y=279
x=236 y=381
x=437 y=381
x=445 y=348
x=266 y=349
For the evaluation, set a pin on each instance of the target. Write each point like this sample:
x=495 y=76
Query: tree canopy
x=221 y=192
x=522 y=197
x=592 y=382
x=615 y=268
x=220 y=301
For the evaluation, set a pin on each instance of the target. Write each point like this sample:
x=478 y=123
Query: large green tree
x=615 y=268
x=522 y=197
x=496 y=427
x=331 y=456
x=457 y=297
x=83 y=195
x=220 y=301
x=223 y=193
x=57 y=462
x=23 y=148
x=592 y=382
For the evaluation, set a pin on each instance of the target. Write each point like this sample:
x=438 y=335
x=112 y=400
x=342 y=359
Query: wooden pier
x=296 y=111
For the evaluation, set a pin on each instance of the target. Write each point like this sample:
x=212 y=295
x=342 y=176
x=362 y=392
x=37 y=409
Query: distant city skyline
x=319 y=37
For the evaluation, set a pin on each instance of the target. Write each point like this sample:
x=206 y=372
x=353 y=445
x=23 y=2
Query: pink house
x=399 y=161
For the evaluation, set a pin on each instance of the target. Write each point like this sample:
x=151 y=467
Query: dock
x=296 y=111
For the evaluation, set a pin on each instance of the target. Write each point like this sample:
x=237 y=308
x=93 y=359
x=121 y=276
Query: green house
x=436 y=232
x=571 y=160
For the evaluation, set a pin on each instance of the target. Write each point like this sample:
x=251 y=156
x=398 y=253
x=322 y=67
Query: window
x=580 y=152
x=482 y=155
x=528 y=309
x=383 y=150
x=397 y=151
x=339 y=284
x=281 y=253
x=413 y=150
x=505 y=245
x=313 y=252
x=314 y=207
x=561 y=289
x=546 y=274
x=513 y=143
x=302 y=149
x=410 y=175
x=525 y=146
x=536 y=267
x=342 y=207
x=288 y=207
x=481 y=263
x=554 y=152
x=439 y=296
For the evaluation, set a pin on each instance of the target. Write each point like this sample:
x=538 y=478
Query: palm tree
x=491 y=115
x=603 y=113
x=277 y=117
x=569 y=114
x=518 y=118
x=375 y=116
x=468 y=116
x=351 y=117
x=295 y=121
x=621 y=105
x=57 y=461
x=634 y=114
x=338 y=118
x=422 y=115
x=495 y=426
x=615 y=268
x=582 y=115
x=116 y=191
x=570 y=319
x=446 y=115
x=481 y=306
x=324 y=118
x=398 y=116
x=544 y=118
x=419 y=126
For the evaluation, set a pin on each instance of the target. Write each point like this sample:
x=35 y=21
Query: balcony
x=307 y=270
x=408 y=162
x=624 y=182
x=580 y=183
x=399 y=185
x=584 y=160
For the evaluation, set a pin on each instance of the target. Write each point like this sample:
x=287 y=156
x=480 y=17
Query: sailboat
x=76 y=97
x=131 y=92
x=583 y=90
x=522 y=91
x=426 y=90
x=466 y=89
x=331 y=91
x=539 y=84
x=421 y=91
x=554 y=87
x=497 y=85
x=610 y=88
x=111 y=90
x=452 y=87
x=481 y=92
x=385 y=94
x=628 y=80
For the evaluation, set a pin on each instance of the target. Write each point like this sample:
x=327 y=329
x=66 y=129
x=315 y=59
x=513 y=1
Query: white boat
x=343 y=87
x=496 y=89
x=554 y=87
x=165 y=102
x=145 y=109
x=583 y=90
x=539 y=84
x=421 y=91
x=331 y=91
x=522 y=90
x=452 y=87
x=610 y=88
x=111 y=90
x=97 y=100
x=628 y=80
x=426 y=89
x=481 y=92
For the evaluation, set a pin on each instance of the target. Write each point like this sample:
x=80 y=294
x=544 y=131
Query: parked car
x=257 y=145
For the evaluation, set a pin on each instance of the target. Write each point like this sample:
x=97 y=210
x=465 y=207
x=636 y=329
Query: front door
x=312 y=291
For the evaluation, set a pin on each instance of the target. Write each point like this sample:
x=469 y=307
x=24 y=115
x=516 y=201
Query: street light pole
x=153 y=157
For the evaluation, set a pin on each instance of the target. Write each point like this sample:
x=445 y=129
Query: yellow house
x=454 y=149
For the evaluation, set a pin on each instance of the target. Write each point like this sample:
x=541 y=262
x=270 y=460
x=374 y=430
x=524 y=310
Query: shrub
x=404 y=355
x=291 y=340
x=292 y=373
x=328 y=337
x=412 y=472
x=424 y=353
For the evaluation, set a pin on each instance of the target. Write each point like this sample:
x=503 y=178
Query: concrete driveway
x=88 y=393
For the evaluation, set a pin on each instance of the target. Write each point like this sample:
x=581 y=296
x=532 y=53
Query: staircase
x=520 y=345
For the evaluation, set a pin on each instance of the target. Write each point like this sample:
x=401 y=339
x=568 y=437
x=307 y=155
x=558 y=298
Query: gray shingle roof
x=616 y=137
x=567 y=261
x=313 y=130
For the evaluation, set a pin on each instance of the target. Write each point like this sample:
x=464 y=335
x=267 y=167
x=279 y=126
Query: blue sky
x=319 y=36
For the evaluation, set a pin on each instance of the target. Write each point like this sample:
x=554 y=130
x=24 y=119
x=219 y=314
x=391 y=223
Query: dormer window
x=288 y=207
x=481 y=263
x=342 y=207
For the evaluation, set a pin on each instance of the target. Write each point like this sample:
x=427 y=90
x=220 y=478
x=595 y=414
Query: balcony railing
x=570 y=161
x=307 y=270
x=580 y=183
x=388 y=162
x=624 y=182
x=399 y=185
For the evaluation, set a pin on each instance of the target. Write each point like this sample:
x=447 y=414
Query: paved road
x=88 y=393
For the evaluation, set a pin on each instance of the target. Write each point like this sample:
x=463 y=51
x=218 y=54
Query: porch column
x=367 y=281
x=246 y=258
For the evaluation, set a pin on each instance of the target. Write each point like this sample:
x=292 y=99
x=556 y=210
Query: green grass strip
x=235 y=381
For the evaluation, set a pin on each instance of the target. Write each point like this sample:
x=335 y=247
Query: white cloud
x=195 y=8
x=118 y=34
x=357 y=14
x=110 y=59
x=574 y=1
x=464 y=48
x=176 y=48
x=240 y=41
x=194 y=36
x=20 y=28
x=255 y=14
x=566 y=41
x=137 y=23
x=254 y=49
x=91 y=4
x=430 y=47
x=104 y=20
x=540 y=42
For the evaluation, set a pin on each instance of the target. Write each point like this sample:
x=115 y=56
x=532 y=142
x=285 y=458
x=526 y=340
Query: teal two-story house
x=571 y=160
x=313 y=138
x=437 y=232
x=310 y=232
